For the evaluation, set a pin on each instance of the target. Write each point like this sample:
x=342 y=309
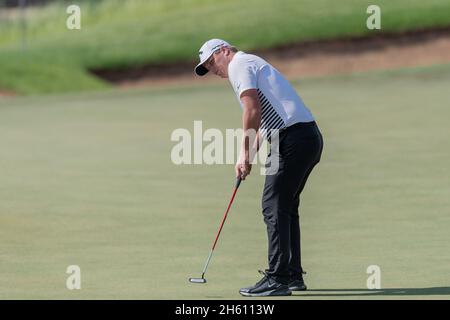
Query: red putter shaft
x=202 y=279
x=238 y=182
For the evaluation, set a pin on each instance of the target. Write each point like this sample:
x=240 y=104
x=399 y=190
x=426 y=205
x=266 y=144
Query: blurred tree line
x=17 y=3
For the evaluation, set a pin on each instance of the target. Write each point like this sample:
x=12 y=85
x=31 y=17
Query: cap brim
x=200 y=70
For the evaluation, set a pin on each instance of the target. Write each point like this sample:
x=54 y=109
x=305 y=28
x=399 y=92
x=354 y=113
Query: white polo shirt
x=281 y=106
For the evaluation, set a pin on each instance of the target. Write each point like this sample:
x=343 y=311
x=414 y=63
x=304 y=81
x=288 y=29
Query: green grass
x=87 y=180
x=116 y=33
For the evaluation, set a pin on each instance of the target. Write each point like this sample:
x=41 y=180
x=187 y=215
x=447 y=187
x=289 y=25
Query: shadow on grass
x=433 y=291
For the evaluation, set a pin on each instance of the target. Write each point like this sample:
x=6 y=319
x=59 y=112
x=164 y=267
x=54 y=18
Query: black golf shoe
x=297 y=284
x=260 y=282
x=266 y=287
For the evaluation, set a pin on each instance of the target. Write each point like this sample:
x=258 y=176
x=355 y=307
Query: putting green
x=87 y=180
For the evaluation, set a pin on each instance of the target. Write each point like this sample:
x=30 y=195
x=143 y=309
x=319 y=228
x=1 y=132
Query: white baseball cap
x=206 y=51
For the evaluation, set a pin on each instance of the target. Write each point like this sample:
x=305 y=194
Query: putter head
x=197 y=280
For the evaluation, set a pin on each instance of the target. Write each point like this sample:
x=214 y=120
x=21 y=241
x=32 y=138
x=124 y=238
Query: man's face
x=218 y=63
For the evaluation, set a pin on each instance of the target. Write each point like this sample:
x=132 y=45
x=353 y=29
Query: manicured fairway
x=87 y=180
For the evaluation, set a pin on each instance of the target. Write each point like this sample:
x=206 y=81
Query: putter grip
x=238 y=182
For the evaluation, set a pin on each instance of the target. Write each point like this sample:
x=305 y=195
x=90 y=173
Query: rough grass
x=125 y=33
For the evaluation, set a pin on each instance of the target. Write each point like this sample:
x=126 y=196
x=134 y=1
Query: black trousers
x=300 y=149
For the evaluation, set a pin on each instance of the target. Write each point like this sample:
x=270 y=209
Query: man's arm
x=251 y=120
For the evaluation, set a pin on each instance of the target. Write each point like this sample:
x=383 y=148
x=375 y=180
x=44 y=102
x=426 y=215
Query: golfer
x=272 y=108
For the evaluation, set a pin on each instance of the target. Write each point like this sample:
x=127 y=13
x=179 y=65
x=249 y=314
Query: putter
x=202 y=279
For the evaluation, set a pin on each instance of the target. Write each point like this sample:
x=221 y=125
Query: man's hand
x=242 y=169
